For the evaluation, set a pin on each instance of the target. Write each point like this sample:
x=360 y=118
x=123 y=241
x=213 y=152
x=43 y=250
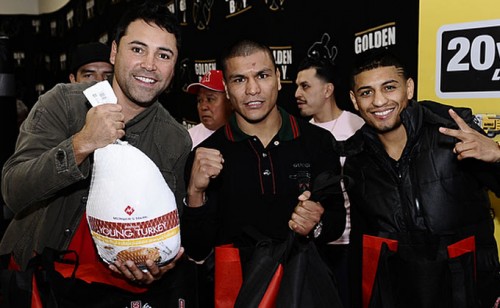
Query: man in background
x=315 y=96
x=213 y=106
x=90 y=62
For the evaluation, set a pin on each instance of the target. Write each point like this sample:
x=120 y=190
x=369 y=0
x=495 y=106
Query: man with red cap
x=213 y=106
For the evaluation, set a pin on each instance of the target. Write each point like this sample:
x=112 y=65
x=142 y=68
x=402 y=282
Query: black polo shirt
x=259 y=186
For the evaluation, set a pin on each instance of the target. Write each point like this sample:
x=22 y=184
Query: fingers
x=482 y=148
x=471 y=144
x=460 y=122
x=140 y=276
x=305 y=196
x=207 y=165
x=104 y=124
x=209 y=161
x=463 y=133
x=305 y=216
x=145 y=275
x=112 y=115
x=462 y=150
x=129 y=270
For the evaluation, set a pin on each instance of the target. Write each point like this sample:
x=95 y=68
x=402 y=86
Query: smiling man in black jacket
x=421 y=176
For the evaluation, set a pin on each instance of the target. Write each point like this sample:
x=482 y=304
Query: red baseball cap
x=212 y=80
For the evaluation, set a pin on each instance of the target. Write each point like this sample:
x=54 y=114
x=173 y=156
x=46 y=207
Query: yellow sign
x=459 y=62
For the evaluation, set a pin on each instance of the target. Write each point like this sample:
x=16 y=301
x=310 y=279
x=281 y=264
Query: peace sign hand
x=471 y=143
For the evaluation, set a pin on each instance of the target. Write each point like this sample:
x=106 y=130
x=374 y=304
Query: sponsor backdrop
x=41 y=44
x=457 y=57
x=459 y=61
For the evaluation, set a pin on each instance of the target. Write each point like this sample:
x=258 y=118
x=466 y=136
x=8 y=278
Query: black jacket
x=427 y=190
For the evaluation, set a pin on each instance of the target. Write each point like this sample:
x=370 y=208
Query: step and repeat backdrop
x=41 y=44
x=451 y=48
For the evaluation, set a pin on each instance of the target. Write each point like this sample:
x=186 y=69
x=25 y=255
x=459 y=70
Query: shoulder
x=216 y=140
x=164 y=116
x=352 y=145
x=352 y=117
x=199 y=133
x=70 y=90
x=437 y=114
x=315 y=137
x=197 y=129
x=348 y=123
x=63 y=96
x=310 y=130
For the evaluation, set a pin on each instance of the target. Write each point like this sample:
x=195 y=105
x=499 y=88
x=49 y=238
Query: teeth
x=383 y=113
x=253 y=103
x=144 y=79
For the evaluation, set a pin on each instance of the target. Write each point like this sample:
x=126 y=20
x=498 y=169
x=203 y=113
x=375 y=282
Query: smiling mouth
x=253 y=104
x=145 y=79
x=384 y=113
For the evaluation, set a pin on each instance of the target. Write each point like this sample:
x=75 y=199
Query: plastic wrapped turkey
x=131 y=211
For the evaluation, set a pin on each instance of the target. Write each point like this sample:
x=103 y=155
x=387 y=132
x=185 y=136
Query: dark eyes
x=263 y=75
x=137 y=50
x=162 y=54
x=365 y=93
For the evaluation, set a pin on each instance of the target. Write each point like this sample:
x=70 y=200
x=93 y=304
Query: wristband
x=317 y=229
x=186 y=203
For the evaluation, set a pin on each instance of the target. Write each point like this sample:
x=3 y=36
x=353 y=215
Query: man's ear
x=410 y=87
x=72 y=78
x=225 y=88
x=329 y=89
x=114 y=50
x=353 y=99
x=278 y=75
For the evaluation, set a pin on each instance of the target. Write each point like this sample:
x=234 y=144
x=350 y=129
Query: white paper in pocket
x=100 y=93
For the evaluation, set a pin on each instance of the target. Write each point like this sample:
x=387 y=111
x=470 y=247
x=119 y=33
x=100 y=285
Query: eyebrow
x=265 y=70
x=145 y=45
x=390 y=81
x=87 y=70
x=383 y=84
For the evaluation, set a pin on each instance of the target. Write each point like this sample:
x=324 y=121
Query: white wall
x=34 y=7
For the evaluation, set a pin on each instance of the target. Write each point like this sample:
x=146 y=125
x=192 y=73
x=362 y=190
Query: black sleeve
x=198 y=224
x=327 y=190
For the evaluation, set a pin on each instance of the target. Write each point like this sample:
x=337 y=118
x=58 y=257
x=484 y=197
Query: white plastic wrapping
x=131 y=211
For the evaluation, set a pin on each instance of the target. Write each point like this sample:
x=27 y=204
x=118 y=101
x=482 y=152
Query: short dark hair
x=152 y=12
x=325 y=69
x=242 y=48
x=375 y=58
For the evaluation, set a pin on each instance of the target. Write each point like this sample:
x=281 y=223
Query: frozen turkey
x=131 y=211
